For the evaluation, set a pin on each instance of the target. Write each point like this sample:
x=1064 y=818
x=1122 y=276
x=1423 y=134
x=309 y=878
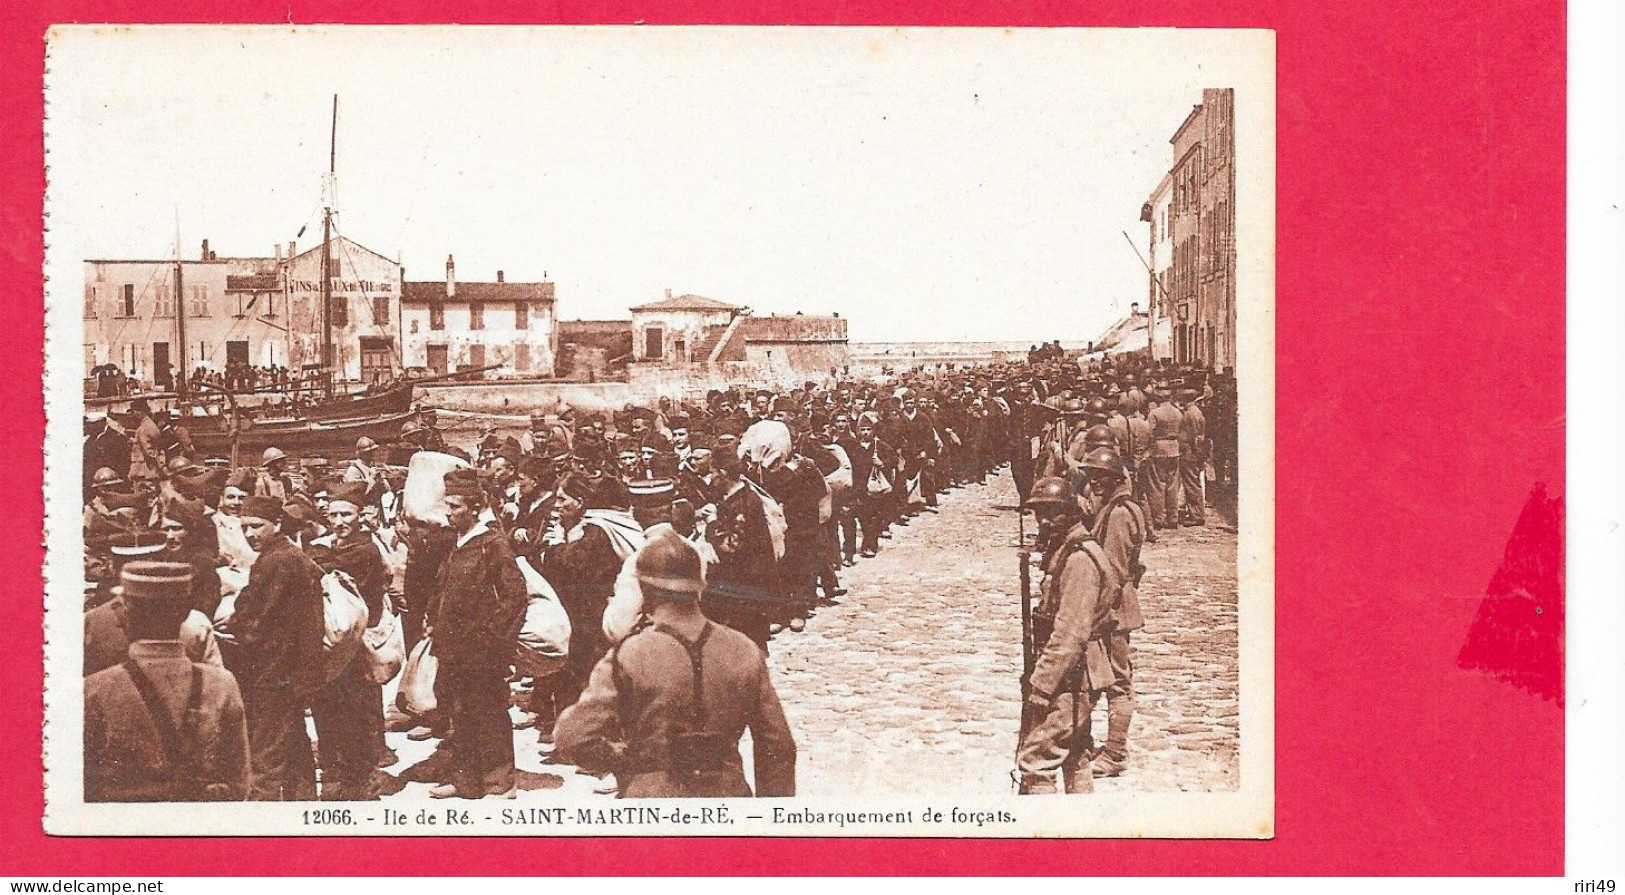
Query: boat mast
x=327 y=251
x=179 y=383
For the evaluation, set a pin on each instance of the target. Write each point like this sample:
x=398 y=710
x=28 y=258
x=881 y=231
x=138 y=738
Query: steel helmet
x=180 y=465
x=106 y=477
x=1072 y=407
x=1096 y=407
x=272 y=455
x=364 y=444
x=1104 y=459
x=1051 y=491
x=1100 y=435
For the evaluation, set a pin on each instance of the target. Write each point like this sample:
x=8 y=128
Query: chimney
x=499 y=276
x=1134 y=309
x=278 y=248
x=205 y=250
x=451 y=277
x=293 y=249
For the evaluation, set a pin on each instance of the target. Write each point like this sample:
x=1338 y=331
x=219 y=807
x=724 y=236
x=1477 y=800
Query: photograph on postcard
x=659 y=431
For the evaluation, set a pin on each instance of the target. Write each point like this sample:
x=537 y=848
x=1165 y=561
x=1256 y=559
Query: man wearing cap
x=146 y=458
x=278 y=625
x=348 y=710
x=582 y=570
x=107 y=634
x=160 y=727
x=1192 y=460
x=869 y=453
x=476 y=630
x=679 y=695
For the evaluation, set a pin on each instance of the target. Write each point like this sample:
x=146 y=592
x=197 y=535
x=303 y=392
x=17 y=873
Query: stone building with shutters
x=449 y=326
x=263 y=311
x=235 y=310
x=365 y=292
x=684 y=344
x=1196 y=235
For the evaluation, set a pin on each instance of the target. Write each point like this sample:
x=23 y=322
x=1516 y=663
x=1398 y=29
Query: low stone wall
x=519 y=398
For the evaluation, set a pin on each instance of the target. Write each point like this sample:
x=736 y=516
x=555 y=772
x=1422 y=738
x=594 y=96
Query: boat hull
x=300 y=439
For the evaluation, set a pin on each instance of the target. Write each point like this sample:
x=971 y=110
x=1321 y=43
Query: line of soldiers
x=702 y=527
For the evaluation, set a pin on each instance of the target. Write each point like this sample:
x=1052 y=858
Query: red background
x=1420 y=395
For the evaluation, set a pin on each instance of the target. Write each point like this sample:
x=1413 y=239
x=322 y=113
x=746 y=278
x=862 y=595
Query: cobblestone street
x=911 y=682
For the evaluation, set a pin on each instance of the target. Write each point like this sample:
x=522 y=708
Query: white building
x=682 y=328
x=234 y=311
x=1157 y=212
x=449 y=325
x=365 y=288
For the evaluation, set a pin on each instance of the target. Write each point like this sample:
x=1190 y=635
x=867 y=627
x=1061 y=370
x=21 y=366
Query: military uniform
x=160 y=727
x=1071 y=671
x=1192 y=459
x=1120 y=529
x=197 y=750
x=666 y=707
x=1164 y=484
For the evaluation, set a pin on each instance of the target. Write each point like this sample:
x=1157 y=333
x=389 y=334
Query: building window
x=679 y=349
x=341 y=310
x=476 y=356
x=90 y=301
x=437 y=316
x=654 y=343
x=521 y=356
x=380 y=310
x=199 y=305
x=476 y=315
x=127 y=304
x=521 y=315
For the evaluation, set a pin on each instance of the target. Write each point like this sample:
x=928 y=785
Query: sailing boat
x=333 y=421
x=302 y=417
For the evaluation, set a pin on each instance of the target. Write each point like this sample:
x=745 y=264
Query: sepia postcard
x=660 y=431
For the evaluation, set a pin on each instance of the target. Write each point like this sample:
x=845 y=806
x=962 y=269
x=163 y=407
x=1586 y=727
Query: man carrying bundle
x=476 y=627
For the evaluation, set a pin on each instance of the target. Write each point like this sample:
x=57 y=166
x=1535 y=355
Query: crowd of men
x=678 y=538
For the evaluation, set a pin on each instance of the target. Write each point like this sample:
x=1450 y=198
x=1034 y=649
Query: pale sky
x=926 y=184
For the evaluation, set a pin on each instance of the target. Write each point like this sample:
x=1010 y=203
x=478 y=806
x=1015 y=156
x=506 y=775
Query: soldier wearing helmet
x=1095 y=411
x=1072 y=667
x=1119 y=526
x=364 y=468
x=273 y=481
x=665 y=709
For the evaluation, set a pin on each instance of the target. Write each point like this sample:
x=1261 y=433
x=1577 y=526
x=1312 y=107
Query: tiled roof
x=435 y=290
x=687 y=303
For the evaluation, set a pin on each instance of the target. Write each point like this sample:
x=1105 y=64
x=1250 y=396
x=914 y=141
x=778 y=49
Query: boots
x=1078 y=777
x=1113 y=759
x=1036 y=784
